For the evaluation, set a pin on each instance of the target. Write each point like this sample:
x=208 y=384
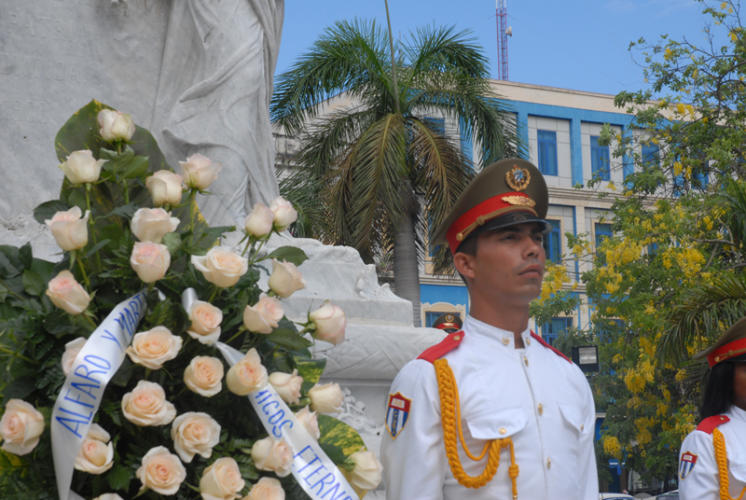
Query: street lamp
x=586 y=357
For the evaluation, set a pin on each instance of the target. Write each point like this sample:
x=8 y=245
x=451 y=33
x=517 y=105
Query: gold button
x=525 y=360
x=582 y=427
x=540 y=409
x=528 y=341
x=506 y=341
x=503 y=431
x=549 y=463
x=457 y=337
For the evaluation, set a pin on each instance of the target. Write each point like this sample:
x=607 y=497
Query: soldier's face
x=739 y=385
x=509 y=264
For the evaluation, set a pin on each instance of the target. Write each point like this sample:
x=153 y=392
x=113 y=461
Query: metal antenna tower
x=503 y=32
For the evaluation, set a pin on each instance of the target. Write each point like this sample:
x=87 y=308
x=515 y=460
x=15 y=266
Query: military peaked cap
x=503 y=194
x=449 y=322
x=730 y=345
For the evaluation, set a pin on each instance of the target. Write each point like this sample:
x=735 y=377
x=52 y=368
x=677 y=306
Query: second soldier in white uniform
x=492 y=412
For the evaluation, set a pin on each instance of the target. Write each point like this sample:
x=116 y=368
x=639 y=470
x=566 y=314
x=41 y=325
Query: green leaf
x=119 y=477
x=33 y=283
x=310 y=369
x=10 y=262
x=290 y=254
x=128 y=166
x=288 y=338
x=337 y=435
x=172 y=242
x=47 y=210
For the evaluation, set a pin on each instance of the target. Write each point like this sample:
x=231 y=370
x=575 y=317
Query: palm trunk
x=406 y=270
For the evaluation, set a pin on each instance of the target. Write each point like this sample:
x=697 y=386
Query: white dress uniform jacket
x=698 y=470
x=532 y=395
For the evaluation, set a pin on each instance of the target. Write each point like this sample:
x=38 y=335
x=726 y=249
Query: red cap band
x=727 y=351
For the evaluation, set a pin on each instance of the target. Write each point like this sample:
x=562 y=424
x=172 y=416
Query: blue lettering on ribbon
x=327 y=484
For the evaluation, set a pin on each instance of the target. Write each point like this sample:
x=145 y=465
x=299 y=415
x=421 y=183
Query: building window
x=437 y=125
x=553 y=242
x=602 y=231
x=547 y=145
x=554 y=328
x=600 y=161
x=650 y=154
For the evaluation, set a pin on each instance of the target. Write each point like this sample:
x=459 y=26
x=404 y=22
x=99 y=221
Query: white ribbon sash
x=81 y=394
x=315 y=472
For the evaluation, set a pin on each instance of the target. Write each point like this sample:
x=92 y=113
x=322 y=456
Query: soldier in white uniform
x=493 y=412
x=712 y=463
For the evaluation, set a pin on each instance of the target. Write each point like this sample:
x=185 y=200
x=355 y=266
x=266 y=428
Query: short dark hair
x=718 y=395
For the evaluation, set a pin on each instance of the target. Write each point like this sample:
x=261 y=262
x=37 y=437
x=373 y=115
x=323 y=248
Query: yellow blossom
x=677 y=168
x=612 y=447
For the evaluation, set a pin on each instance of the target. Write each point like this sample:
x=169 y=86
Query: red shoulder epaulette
x=550 y=347
x=710 y=423
x=443 y=347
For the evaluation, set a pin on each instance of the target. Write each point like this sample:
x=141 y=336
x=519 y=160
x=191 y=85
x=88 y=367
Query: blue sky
x=572 y=44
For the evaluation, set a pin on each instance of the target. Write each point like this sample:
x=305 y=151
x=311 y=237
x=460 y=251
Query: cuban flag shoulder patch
x=397 y=413
x=686 y=463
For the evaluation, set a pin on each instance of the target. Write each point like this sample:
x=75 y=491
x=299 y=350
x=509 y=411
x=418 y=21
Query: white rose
x=287 y=385
x=285 y=278
x=326 y=398
x=273 y=455
x=147 y=405
x=206 y=319
x=366 y=475
x=309 y=421
x=151 y=224
x=96 y=454
x=161 y=471
x=199 y=171
x=115 y=125
x=108 y=496
x=221 y=266
x=330 y=323
x=154 y=347
x=267 y=488
x=263 y=316
x=259 y=222
x=221 y=480
x=72 y=349
x=150 y=260
x=67 y=294
x=165 y=188
x=194 y=433
x=81 y=167
x=204 y=375
x=247 y=375
x=284 y=213
x=20 y=427
x=69 y=229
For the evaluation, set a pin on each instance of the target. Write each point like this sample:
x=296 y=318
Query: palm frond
x=442 y=49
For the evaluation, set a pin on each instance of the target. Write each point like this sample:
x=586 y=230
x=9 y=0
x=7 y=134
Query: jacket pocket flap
x=497 y=424
x=574 y=417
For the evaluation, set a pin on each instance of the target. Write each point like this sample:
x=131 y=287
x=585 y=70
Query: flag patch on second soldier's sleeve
x=397 y=413
x=686 y=463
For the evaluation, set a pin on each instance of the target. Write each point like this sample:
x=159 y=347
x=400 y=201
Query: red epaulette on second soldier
x=443 y=347
x=710 y=423
x=550 y=347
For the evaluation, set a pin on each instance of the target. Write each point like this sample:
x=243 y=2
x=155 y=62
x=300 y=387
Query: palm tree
x=377 y=173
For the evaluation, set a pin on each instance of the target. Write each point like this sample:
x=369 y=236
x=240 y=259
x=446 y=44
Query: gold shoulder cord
x=721 y=457
x=450 y=410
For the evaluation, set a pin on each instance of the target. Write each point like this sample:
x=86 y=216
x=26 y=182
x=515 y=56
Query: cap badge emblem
x=522 y=201
x=518 y=178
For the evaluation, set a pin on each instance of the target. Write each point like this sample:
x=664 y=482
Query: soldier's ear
x=464 y=264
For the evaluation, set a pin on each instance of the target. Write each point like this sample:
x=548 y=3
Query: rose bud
x=154 y=347
x=81 y=167
x=165 y=188
x=287 y=385
x=161 y=471
x=285 y=278
x=67 y=294
x=115 y=125
x=326 y=398
x=108 y=496
x=273 y=455
x=20 y=427
x=204 y=375
x=70 y=231
x=150 y=260
x=147 y=405
x=330 y=323
x=194 y=433
x=247 y=375
x=221 y=266
x=263 y=316
x=96 y=454
x=284 y=213
x=309 y=421
x=199 y=171
x=206 y=319
x=267 y=488
x=72 y=349
x=366 y=475
x=151 y=224
x=221 y=480
x=260 y=221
